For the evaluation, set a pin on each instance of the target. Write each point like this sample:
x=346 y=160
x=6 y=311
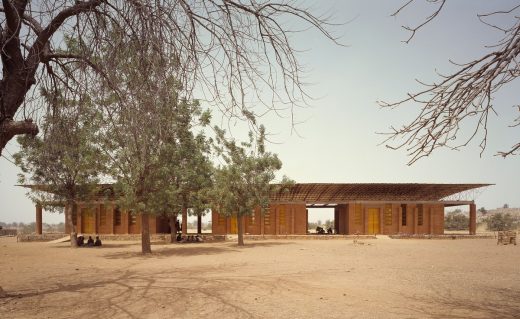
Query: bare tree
x=232 y=50
x=464 y=97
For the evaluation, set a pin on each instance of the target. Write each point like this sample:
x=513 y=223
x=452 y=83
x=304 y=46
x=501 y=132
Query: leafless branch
x=465 y=96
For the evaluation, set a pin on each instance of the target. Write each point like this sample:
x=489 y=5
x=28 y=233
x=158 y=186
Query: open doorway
x=205 y=225
x=456 y=220
x=320 y=217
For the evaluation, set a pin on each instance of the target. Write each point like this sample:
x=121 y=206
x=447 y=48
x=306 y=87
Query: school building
x=359 y=208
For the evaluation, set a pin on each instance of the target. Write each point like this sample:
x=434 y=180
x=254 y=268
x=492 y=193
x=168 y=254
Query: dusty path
x=267 y=279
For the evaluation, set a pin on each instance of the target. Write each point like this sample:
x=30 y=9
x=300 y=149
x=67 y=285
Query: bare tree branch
x=464 y=96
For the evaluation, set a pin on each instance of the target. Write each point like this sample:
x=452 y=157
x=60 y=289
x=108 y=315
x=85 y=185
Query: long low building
x=369 y=208
x=359 y=208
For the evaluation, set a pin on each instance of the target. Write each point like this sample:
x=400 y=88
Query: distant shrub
x=500 y=222
x=456 y=221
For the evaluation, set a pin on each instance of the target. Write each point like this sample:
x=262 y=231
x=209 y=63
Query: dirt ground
x=383 y=278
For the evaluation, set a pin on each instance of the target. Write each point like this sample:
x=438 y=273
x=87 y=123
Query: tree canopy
x=229 y=50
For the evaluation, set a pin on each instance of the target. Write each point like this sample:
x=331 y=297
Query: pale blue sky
x=338 y=140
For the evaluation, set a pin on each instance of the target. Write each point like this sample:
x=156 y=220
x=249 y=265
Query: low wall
x=42 y=237
x=445 y=236
x=307 y=237
x=155 y=237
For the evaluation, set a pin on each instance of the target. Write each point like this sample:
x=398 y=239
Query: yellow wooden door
x=373 y=221
x=87 y=221
x=234 y=228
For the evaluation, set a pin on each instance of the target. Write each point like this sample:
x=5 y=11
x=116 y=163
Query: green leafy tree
x=456 y=220
x=500 y=222
x=184 y=181
x=142 y=126
x=243 y=183
x=64 y=164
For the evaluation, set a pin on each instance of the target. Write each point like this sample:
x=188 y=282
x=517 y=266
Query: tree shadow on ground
x=176 y=250
x=130 y=294
x=498 y=304
x=262 y=244
x=104 y=246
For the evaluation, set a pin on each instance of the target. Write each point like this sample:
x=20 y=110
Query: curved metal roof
x=334 y=193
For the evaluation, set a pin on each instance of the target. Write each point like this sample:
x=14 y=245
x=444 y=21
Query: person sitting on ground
x=179 y=237
x=90 y=241
x=198 y=239
x=329 y=230
x=97 y=243
x=81 y=240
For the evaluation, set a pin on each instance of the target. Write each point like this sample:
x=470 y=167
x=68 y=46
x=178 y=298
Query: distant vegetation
x=456 y=220
x=498 y=219
x=502 y=221
x=30 y=228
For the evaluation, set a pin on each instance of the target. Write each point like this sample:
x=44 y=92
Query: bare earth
x=383 y=278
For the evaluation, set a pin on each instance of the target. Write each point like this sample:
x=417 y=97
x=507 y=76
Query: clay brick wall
x=438 y=219
x=253 y=223
x=410 y=214
x=106 y=224
x=342 y=215
x=356 y=224
x=425 y=227
x=270 y=220
x=134 y=228
x=390 y=219
x=123 y=227
x=218 y=225
x=300 y=219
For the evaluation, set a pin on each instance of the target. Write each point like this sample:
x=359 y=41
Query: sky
x=338 y=138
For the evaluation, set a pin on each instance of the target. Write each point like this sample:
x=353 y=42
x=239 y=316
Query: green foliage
x=500 y=222
x=65 y=160
x=456 y=220
x=244 y=182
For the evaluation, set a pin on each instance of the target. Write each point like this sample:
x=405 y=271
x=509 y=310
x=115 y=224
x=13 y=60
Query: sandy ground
x=384 y=278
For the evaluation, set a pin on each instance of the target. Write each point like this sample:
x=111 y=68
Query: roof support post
x=39 y=210
x=472 y=219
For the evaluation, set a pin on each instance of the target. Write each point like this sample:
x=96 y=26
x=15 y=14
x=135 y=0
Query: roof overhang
x=328 y=193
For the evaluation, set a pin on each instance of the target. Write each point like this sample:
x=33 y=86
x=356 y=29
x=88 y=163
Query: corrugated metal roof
x=333 y=193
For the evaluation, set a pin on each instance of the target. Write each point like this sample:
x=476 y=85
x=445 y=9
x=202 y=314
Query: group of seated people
x=321 y=230
x=189 y=238
x=90 y=241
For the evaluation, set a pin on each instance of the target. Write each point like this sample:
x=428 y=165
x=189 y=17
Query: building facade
x=375 y=208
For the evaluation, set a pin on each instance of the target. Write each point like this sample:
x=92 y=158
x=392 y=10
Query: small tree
x=243 y=184
x=184 y=181
x=64 y=164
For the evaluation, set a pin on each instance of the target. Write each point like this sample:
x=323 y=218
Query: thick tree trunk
x=146 y=246
x=184 y=223
x=173 y=229
x=199 y=224
x=71 y=209
x=240 y=218
x=10 y=128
